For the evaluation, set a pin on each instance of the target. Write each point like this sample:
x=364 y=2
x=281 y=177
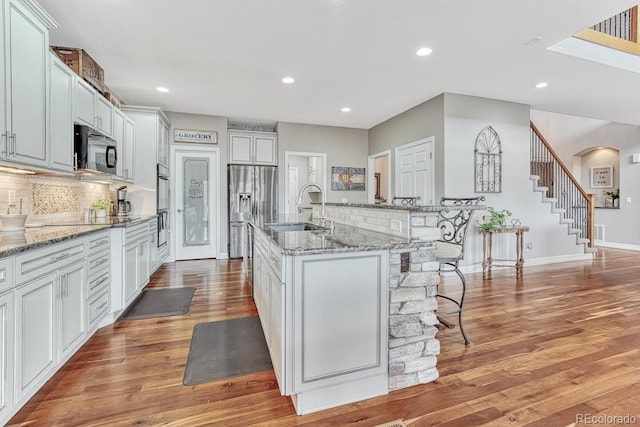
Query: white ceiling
x=227 y=57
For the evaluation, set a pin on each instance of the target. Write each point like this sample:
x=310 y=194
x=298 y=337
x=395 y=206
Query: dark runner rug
x=160 y=303
x=226 y=349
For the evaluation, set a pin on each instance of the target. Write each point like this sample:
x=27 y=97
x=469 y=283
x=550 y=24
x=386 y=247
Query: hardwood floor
x=563 y=341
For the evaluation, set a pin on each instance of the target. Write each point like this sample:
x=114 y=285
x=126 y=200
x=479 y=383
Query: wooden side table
x=487 y=244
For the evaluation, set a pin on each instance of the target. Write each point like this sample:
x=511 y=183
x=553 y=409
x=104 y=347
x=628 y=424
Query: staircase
x=559 y=188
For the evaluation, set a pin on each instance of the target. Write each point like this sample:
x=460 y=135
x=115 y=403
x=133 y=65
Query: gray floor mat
x=160 y=303
x=225 y=349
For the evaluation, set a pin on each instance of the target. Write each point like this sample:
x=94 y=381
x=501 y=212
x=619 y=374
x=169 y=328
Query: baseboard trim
x=613 y=245
x=477 y=268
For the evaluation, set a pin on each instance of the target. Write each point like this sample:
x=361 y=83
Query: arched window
x=488 y=162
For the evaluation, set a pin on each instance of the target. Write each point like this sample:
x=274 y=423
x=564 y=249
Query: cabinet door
x=130 y=276
x=240 y=148
x=104 y=115
x=6 y=354
x=143 y=263
x=85 y=98
x=129 y=145
x=27 y=64
x=118 y=136
x=61 y=115
x=34 y=335
x=265 y=149
x=163 y=144
x=72 y=307
x=277 y=320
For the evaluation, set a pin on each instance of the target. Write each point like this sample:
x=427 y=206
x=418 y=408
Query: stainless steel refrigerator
x=253 y=196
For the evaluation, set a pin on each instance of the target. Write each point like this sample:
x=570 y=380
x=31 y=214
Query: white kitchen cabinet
x=6 y=354
x=25 y=76
x=277 y=319
x=154 y=261
x=93 y=109
x=150 y=124
x=99 y=272
x=118 y=137
x=61 y=82
x=35 y=335
x=163 y=143
x=135 y=261
x=258 y=148
x=72 y=319
x=128 y=150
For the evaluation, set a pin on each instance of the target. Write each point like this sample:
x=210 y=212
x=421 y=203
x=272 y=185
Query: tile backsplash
x=47 y=198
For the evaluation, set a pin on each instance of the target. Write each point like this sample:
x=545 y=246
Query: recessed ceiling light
x=345 y=109
x=424 y=51
x=542 y=84
x=162 y=89
x=288 y=80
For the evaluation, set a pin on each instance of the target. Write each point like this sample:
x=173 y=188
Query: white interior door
x=196 y=201
x=415 y=172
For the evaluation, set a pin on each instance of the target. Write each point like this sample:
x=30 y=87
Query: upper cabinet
x=258 y=148
x=92 y=109
x=62 y=80
x=24 y=76
x=163 y=143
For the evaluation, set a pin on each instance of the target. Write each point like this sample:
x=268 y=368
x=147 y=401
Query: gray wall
x=570 y=135
x=344 y=147
x=465 y=117
x=421 y=121
x=210 y=123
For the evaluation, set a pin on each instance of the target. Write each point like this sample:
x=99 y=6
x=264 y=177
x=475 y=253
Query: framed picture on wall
x=602 y=177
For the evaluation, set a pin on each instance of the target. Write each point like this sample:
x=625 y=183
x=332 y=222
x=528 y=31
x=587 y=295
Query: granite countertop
x=431 y=208
x=344 y=238
x=15 y=242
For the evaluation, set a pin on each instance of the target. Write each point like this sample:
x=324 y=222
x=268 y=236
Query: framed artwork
x=602 y=177
x=346 y=178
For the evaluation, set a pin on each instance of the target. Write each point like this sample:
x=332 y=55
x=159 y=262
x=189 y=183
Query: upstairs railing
x=561 y=185
x=618 y=32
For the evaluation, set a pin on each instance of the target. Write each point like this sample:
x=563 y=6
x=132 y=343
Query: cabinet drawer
x=98 y=307
x=261 y=242
x=97 y=282
x=36 y=263
x=6 y=274
x=135 y=232
x=99 y=242
x=99 y=261
x=275 y=259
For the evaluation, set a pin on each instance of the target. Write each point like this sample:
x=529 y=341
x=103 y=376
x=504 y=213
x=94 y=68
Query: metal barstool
x=453 y=223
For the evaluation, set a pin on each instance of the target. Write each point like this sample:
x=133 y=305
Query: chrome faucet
x=323 y=214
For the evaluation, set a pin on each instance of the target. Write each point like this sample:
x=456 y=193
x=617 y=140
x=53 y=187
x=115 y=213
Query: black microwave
x=93 y=151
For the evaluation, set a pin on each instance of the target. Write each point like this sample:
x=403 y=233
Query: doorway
x=197 y=196
x=302 y=168
x=379 y=172
x=414 y=171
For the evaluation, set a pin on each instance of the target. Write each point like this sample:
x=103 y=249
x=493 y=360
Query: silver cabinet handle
x=58 y=258
x=103 y=305
x=180 y=210
x=12 y=137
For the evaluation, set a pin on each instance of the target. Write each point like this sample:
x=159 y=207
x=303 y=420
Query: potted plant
x=615 y=195
x=495 y=219
x=101 y=205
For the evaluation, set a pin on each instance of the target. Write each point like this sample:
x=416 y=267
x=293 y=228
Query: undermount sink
x=294 y=226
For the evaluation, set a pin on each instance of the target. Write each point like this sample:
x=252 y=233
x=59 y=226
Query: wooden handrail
x=589 y=198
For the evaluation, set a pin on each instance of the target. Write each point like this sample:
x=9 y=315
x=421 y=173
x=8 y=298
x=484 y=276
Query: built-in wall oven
x=162 y=193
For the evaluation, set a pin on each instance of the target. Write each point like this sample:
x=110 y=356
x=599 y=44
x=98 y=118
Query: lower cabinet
x=136 y=265
x=72 y=309
x=6 y=354
x=325 y=320
x=35 y=338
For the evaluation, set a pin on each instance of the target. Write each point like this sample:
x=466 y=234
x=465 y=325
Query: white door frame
x=371 y=164
x=325 y=177
x=428 y=140
x=215 y=203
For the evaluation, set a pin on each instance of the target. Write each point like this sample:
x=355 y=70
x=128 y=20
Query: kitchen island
x=348 y=313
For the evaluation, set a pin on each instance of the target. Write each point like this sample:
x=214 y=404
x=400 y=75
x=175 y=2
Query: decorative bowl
x=12 y=222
